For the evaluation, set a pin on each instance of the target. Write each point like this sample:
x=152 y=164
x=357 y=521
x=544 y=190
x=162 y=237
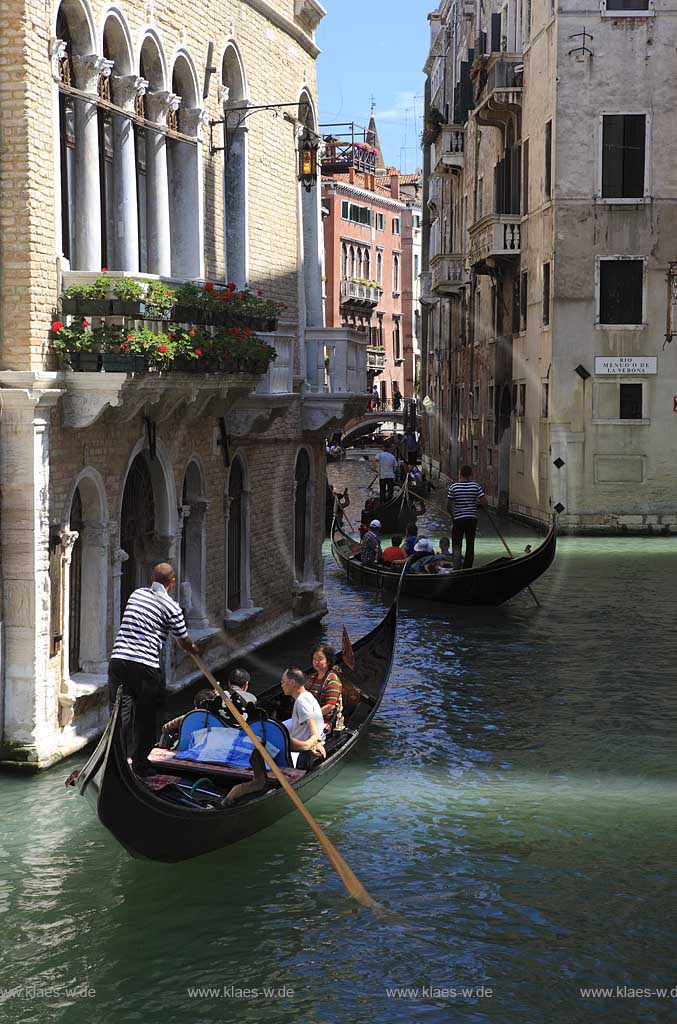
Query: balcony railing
x=348 y=146
x=498 y=89
x=496 y=234
x=355 y=292
x=278 y=377
x=447 y=154
x=448 y=273
x=336 y=360
x=376 y=359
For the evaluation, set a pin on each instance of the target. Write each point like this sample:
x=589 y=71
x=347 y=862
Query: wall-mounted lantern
x=308 y=147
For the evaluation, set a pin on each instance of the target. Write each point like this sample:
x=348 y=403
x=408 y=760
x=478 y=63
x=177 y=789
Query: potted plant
x=188 y=303
x=73 y=345
x=87 y=299
x=128 y=296
x=159 y=301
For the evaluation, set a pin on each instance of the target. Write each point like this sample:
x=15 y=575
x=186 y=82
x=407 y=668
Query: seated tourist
x=415 y=476
x=445 y=547
x=370 y=549
x=410 y=538
x=306 y=725
x=395 y=553
x=238 y=683
x=204 y=700
x=324 y=684
x=424 y=557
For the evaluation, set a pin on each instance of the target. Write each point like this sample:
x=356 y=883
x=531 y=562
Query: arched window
x=137 y=527
x=301 y=514
x=117 y=159
x=344 y=261
x=234 y=93
x=194 y=549
x=87 y=581
x=151 y=163
x=236 y=541
x=366 y=270
x=351 y=262
x=396 y=272
x=379 y=266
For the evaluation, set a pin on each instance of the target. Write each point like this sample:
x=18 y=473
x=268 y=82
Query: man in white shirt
x=387 y=464
x=306 y=726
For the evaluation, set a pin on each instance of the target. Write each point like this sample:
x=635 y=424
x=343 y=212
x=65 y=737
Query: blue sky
x=376 y=47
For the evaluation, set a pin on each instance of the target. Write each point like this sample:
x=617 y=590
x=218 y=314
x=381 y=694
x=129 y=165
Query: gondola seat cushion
x=213 y=742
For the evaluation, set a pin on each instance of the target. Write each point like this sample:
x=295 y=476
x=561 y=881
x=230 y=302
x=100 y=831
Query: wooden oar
x=505 y=545
x=347 y=876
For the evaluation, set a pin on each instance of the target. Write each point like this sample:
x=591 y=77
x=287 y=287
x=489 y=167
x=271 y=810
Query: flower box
x=84 y=362
x=157 y=313
x=121 y=308
x=86 y=307
x=121 y=362
x=186 y=315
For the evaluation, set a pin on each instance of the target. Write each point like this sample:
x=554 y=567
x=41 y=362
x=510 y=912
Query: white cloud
x=404 y=104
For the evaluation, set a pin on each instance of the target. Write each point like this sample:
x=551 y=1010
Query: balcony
x=357 y=292
x=376 y=359
x=336 y=376
x=496 y=236
x=498 y=89
x=447 y=273
x=349 y=146
x=447 y=154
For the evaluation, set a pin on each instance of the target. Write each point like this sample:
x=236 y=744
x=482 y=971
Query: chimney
x=395 y=184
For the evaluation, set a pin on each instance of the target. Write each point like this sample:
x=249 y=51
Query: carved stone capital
x=68 y=539
x=57 y=52
x=118 y=556
x=159 y=104
x=125 y=89
x=192 y=119
x=88 y=69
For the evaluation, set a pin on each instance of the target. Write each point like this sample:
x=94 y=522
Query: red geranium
x=260 y=292
x=56 y=326
x=162 y=349
x=247 y=331
x=85 y=323
x=263 y=345
x=241 y=296
x=130 y=337
x=192 y=332
x=104 y=270
x=209 y=286
x=124 y=347
x=235 y=330
x=198 y=351
x=232 y=286
x=227 y=295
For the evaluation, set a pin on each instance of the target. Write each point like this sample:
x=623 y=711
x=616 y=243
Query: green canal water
x=515 y=803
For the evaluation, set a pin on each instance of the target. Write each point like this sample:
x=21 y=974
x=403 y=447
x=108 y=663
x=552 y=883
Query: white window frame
x=397 y=278
x=620 y=327
x=648 y=13
x=616 y=420
x=636 y=200
x=398 y=221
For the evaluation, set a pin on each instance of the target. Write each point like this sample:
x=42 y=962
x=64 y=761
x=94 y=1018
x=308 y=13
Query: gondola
x=396 y=514
x=171 y=825
x=489 y=584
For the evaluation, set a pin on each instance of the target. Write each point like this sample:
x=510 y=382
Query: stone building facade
x=549 y=234
x=131 y=140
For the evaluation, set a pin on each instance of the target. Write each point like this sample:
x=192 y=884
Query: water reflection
x=515 y=801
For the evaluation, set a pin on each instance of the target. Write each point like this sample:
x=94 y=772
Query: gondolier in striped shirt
x=463 y=499
x=149 y=617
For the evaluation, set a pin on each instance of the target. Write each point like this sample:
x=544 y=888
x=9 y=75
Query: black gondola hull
x=490 y=584
x=150 y=826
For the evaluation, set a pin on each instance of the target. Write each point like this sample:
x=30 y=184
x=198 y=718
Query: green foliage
x=126 y=289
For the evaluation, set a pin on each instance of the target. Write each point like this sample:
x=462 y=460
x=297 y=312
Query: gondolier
x=149 y=617
x=463 y=499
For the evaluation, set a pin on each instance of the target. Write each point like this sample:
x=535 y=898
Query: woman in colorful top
x=325 y=684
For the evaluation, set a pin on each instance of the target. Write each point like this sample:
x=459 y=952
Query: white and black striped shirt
x=465 y=494
x=149 y=616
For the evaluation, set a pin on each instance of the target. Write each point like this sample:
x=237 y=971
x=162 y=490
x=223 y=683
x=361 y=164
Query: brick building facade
x=372 y=221
x=110 y=156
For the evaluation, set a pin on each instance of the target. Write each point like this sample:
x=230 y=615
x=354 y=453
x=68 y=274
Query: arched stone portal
x=86 y=601
x=194 y=549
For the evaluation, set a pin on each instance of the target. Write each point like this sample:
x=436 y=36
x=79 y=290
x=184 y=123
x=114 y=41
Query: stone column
x=311 y=255
x=158 y=105
x=66 y=701
x=125 y=89
x=119 y=555
x=30 y=726
x=87 y=241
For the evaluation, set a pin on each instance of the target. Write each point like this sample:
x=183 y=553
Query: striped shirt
x=465 y=494
x=149 y=617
